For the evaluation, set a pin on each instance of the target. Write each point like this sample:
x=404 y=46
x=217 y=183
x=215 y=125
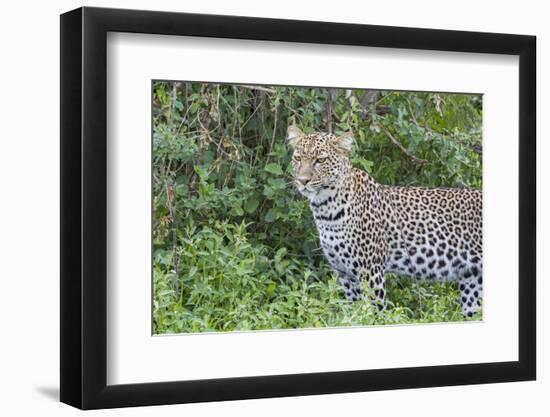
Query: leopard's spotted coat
x=367 y=229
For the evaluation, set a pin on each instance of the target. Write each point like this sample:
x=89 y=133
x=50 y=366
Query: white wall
x=29 y=225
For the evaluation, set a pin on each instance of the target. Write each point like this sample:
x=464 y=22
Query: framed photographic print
x=256 y=208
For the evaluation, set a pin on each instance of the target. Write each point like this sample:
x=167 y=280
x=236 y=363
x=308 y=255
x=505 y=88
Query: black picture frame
x=84 y=207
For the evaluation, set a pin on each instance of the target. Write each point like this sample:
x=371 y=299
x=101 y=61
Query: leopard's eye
x=297 y=158
x=320 y=159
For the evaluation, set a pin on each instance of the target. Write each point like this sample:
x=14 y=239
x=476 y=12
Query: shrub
x=235 y=248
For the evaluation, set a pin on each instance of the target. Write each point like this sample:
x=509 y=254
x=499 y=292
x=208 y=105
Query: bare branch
x=259 y=88
x=402 y=148
x=274 y=136
x=369 y=98
x=329 y=107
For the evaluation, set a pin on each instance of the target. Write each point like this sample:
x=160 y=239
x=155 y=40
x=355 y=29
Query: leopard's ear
x=344 y=142
x=293 y=135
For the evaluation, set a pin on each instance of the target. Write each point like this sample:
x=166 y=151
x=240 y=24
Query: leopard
x=367 y=229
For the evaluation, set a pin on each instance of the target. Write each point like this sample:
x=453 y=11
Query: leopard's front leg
x=373 y=265
x=365 y=282
x=375 y=285
x=351 y=285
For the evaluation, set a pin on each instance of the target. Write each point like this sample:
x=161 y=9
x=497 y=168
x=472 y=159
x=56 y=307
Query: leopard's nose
x=303 y=180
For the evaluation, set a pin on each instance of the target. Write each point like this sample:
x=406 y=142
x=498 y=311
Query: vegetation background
x=235 y=247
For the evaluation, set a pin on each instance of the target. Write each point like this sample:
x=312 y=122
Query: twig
x=259 y=88
x=369 y=98
x=425 y=129
x=274 y=134
x=402 y=148
x=175 y=86
x=250 y=117
x=329 y=109
x=171 y=197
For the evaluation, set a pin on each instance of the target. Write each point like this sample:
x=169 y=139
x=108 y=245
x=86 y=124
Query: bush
x=235 y=247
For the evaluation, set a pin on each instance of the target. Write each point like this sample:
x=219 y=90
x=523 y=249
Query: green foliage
x=235 y=247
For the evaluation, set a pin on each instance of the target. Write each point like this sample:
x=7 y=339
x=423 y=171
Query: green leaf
x=274 y=168
x=251 y=205
x=270 y=215
x=365 y=164
x=237 y=211
x=271 y=289
x=269 y=192
x=277 y=183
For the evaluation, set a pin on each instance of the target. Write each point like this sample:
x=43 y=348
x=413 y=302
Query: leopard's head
x=320 y=160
